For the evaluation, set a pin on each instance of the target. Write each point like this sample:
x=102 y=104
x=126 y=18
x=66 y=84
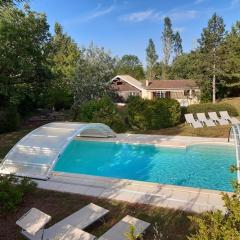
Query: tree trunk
x=214 y=88
x=214 y=77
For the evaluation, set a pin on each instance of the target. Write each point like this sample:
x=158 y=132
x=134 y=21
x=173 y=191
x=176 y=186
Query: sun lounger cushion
x=80 y=219
x=33 y=221
x=119 y=230
x=194 y=123
x=76 y=234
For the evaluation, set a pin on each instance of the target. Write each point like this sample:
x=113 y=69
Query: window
x=134 y=93
x=160 y=94
x=186 y=93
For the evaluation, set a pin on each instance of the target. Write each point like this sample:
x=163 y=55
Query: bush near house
x=12 y=191
x=210 y=107
x=147 y=114
x=104 y=111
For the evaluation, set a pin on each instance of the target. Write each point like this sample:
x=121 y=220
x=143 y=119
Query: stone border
x=159 y=195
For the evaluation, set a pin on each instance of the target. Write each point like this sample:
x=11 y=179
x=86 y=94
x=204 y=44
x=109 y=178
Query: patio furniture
x=119 y=230
x=225 y=115
x=74 y=233
x=33 y=222
x=194 y=123
x=202 y=118
x=80 y=219
x=216 y=119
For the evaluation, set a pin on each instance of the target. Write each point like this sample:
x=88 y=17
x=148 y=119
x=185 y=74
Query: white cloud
x=183 y=15
x=154 y=15
x=141 y=16
x=96 y=13
x=100 y=12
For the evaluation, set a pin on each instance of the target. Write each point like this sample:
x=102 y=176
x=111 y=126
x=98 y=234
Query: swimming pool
x=200 y=166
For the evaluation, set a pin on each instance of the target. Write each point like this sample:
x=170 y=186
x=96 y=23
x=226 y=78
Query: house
x=185 y=91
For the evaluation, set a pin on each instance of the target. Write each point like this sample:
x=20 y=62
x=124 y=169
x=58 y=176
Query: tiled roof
x=158 y=84
x=130 y=80
x=171 y=84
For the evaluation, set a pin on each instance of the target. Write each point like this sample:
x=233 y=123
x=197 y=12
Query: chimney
x=147 y=83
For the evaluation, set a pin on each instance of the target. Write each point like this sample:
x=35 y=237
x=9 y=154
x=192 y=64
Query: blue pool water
x=201 y=166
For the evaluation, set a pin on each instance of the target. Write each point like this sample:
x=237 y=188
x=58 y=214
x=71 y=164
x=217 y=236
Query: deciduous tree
x=24 y=46
x=95 y=69
x=131 y=65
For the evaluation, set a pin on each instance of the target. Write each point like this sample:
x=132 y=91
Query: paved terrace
x=159 y=195
x=160 y=140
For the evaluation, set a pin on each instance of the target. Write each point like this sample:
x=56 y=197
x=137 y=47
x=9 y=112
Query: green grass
x=187 y=130
x=234 y=102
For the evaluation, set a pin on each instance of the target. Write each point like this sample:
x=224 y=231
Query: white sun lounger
x=225 y=115
x=80 y=219
x=202 y=118
x=216 y=119
x=119 y=230
x=74 y=233
x=194 y=123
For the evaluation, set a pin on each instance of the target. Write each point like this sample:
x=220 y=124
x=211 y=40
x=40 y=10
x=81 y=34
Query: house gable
x=123 y=86
x=130 y=82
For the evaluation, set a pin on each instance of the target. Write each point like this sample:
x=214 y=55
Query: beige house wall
x=175 y=94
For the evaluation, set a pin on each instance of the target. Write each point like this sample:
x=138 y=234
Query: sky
x=125 y=26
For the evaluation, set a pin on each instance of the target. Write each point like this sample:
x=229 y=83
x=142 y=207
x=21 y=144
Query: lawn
x=174 y=225
x=186 y=130
x=234 y=102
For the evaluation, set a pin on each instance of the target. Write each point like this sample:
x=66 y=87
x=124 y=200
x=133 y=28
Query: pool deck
x=159 y=140
x=159 y=195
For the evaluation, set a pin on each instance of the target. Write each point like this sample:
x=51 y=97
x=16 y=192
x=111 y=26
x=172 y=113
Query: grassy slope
x=234 y=102
x=186 y=130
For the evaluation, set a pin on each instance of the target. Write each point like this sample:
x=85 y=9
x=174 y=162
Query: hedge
x=149 y=114
x=210 y=107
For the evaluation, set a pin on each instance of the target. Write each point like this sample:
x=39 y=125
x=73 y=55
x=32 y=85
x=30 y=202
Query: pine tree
x=151 y=59
x=211 y=38
x=230 y=49
x=167 y=40
x=178 y=50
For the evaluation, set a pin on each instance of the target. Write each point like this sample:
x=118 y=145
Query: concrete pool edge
x=158 y=195
x=155 y=194
x=160 y=140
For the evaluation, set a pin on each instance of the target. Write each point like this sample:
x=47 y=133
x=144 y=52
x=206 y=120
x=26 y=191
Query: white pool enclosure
x=36 y=154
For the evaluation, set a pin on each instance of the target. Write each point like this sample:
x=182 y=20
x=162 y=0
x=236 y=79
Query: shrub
x=135 y=115
x=9 y=120
x=103 y=111
x=210 y=107
x=12 y=191
x=147 y=114
x=218 y=224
